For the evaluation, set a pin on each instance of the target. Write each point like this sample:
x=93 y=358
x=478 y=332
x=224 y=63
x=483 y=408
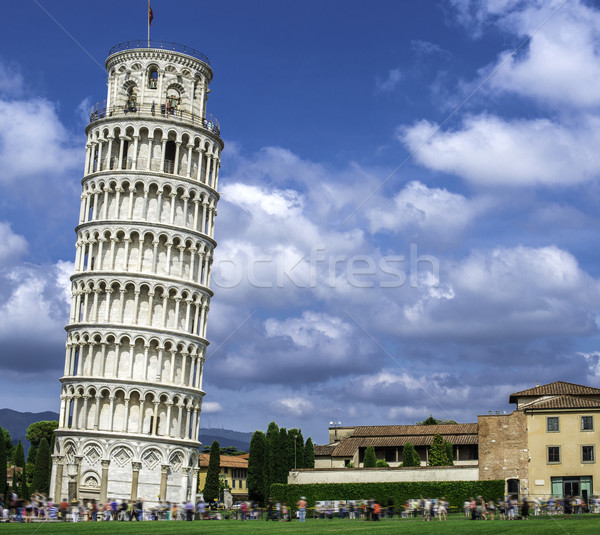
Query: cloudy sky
x=409 y=213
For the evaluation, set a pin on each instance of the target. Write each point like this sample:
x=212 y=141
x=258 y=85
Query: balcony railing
x=165 y=45
x=152 y=110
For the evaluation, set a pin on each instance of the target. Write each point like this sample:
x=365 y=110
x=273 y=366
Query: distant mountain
x=225 y=438
x=18 y=422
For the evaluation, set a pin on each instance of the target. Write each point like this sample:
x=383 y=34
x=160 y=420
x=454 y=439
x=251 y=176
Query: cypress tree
x=271 y=457
x=437 y=452
x=9 y=447
x=410 y=457
x=283 y=456
x=31 y=454
x=41 y=476
x=211 y=487
x=3 y=461
x=309 y=454
x=19 y=469
x=370 y=460
x=257 y=468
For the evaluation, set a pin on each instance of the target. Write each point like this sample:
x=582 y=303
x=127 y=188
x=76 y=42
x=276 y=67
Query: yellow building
x=234 y=470
x=562 y=422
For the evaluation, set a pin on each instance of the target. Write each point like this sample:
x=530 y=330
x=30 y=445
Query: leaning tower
x=136 y=341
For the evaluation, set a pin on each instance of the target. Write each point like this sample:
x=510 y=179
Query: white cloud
x=423 y=47
x=293 y=406
x=211 y=407
x=308 y=330
x=390 y=83
x=33 y=141
x=13 y=245
x=561 y=64
x=433 y=211
x=11 y=79
x=33 y=314
x=492 y=151
x=518 y=292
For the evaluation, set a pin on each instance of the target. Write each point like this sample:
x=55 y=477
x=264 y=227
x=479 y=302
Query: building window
x=553 y=454
x=552 y=423
x=233 y=483
x=587 y=454
x=587 y=423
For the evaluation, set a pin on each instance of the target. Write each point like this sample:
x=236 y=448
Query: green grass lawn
x=543 y=525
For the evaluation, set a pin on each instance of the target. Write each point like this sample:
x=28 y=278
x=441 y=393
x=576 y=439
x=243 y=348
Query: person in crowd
x=525 y=508
x=442 y=505
x=491 y=507
x=302 y=509
x=567 y=507
x=376 y=510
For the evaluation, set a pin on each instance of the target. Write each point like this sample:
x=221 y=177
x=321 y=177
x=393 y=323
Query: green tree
x=437 y=452
x=449 y=452
x=283 y=457
x=257 y=468
x=271 y=457
x=9 y=447
x=19 y=469
x=434 y=421
x=381 y=463
x=31 y=455
x=410 y=457
x=38 y=430
x=370 y=460
x=309 y=454
x=3 y=462
x=211 y=487
x=41 y=475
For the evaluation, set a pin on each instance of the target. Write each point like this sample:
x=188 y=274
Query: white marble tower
x=136 y=341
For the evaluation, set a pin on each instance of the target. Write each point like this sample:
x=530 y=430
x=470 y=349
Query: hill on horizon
x=17 y=423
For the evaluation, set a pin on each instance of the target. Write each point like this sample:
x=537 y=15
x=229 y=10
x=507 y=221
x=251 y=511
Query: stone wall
x=503 y=448
x=382 y=475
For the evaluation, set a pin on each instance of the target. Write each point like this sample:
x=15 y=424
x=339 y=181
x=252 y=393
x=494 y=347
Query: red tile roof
x=556 y=389
x=323 y=450
x=563 y=402
x=412 y=430
x=349 y=446
x=231 y=461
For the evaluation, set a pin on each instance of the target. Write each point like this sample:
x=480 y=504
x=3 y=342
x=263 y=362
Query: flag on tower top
x=150 y=14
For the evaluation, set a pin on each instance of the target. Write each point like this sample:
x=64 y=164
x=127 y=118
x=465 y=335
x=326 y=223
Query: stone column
x=104 y=481
x=78 y=459
x=194 y=488
x=185 y=474
x=58 y=462
x=168 y=426
x=164 y=472
x=135 y=476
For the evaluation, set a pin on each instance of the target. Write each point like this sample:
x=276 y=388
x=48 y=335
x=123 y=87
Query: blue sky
x=408 y=222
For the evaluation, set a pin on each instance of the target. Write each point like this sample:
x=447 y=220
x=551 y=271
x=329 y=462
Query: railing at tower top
x=152 y=110
x=165 y=45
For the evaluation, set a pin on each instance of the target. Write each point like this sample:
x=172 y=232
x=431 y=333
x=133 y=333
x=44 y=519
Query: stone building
x=546 y=447
x=562 y=425
x=136 y=341
x=348 y=444
x=233 y=472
